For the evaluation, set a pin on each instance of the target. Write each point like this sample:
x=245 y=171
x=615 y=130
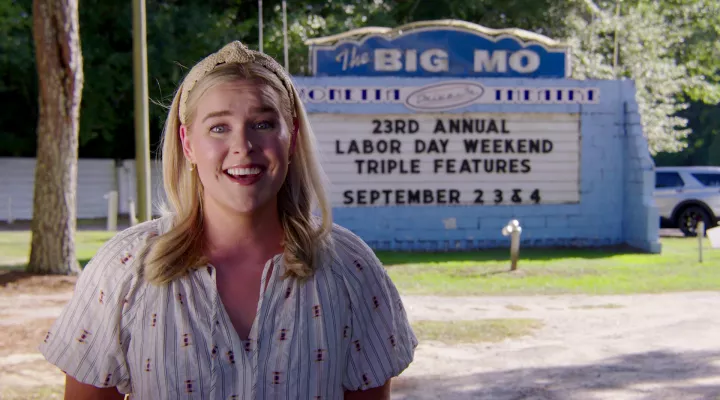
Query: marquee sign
x=450 y=159
x=450 y=49
x=446 y=95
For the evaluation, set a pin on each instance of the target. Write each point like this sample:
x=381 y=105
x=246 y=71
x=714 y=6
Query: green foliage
x=703 y=146
x=105 y=117
x=178 y=36
x=18 y=79
x=641 y=42
x=697 y=23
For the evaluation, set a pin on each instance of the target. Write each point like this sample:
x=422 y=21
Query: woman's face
x=239 y=143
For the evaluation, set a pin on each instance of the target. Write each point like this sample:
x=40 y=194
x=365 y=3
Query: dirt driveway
x=663 y=346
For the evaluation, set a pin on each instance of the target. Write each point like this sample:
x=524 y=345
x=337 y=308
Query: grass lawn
x=485 y=272
x=15 y=247
x=557 y=271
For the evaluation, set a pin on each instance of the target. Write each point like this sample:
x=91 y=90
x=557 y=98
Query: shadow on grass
x=661 y=368
x=484 y=255
x=16 y=274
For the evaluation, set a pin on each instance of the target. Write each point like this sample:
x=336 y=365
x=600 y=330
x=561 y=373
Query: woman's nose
x=242 y=143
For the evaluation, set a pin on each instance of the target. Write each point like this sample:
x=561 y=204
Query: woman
x=238 y=291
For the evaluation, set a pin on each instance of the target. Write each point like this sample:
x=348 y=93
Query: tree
x=703 y=146
x=698 y=23
x=663 y=47
x=58 y=58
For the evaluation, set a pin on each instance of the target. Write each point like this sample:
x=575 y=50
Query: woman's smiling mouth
x=246 y=174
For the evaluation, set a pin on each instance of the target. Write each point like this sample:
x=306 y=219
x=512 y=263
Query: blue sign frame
x=441 y=52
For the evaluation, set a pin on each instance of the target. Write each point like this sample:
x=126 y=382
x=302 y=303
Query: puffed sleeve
x=90 y=338
x=382 y=342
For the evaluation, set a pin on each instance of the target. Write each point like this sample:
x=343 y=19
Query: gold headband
x=232 y=53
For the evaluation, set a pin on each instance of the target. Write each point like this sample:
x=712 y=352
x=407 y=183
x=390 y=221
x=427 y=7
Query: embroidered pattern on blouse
x=344 y=328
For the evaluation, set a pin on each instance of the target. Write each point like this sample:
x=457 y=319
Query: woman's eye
x=219 y=129
x=264 y=125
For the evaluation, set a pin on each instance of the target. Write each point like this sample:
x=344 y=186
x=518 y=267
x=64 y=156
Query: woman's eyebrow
x=263 y=110
x=215 y=114
x=254 y=110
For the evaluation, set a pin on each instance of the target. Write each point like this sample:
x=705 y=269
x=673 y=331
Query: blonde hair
x=180 y=248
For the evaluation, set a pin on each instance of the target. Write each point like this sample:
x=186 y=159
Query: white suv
x=687 y=195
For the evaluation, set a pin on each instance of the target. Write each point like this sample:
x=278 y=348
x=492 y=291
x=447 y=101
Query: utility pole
x=285 y=35
x=142 y=114
x=260 y=26
x=616 y=50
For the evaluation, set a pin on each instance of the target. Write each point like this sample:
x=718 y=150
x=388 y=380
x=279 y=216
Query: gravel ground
x=664 y=346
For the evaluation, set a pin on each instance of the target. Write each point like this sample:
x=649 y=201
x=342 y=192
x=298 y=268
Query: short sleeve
x=382 y=343
x=90 y=338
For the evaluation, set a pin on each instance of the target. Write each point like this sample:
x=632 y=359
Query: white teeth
x=243 y=171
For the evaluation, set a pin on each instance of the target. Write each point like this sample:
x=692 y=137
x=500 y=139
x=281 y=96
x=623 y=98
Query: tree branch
x=594 y=8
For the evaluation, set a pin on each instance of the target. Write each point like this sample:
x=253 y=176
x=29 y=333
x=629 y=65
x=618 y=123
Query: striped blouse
x=343 y=329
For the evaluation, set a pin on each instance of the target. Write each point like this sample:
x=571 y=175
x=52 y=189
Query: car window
x=668 y=180
x=708 y=179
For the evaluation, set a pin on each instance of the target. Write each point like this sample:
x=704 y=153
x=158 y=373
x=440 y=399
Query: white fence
x=96 y=177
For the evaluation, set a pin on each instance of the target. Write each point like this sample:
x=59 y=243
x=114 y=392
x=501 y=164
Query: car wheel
x=689 y=217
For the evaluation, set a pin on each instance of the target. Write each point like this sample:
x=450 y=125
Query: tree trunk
x=59 y=66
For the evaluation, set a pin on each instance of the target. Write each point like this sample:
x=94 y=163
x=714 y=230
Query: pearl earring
x=191 y=167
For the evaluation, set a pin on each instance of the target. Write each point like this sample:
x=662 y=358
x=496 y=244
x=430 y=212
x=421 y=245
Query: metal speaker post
x=513 y=229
